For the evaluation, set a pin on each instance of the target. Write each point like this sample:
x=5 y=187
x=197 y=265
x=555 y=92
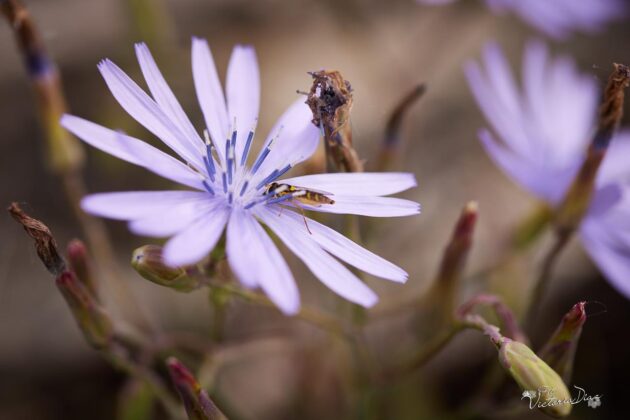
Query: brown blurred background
x=383 y=48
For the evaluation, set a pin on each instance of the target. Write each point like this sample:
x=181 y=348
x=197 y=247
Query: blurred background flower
x=558 y=18
x=546 y=127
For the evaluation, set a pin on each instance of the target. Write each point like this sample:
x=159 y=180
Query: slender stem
x=65 y=153
x=392 y=143
x=540 y=287
x=353 y=231
x=422 y=357
x=218 y=303
x=310 y=315
x=117 y=356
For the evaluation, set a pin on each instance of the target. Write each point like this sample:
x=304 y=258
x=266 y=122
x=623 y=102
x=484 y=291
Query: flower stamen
x=248 y=144
x=244 y=188
x=277 y=173
x=265 y=153
x=207 y=187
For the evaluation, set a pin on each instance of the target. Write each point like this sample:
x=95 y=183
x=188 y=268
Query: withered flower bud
x=330 y=100
x=45 y=244
x=147 y=261
x=578 y=198
x=92 y=319
x=559 y=351
x=198 y=404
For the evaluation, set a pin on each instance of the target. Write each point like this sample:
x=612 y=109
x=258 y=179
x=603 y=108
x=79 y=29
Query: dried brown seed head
x=45 y=243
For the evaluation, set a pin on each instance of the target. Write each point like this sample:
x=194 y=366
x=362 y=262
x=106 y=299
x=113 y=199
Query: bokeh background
x=383 y=48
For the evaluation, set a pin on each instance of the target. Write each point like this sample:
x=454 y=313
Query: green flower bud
x=92 y=319
x=546 y=389
x=147 y=261
x=198 y=404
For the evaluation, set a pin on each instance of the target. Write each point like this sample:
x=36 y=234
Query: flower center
x=229 y=176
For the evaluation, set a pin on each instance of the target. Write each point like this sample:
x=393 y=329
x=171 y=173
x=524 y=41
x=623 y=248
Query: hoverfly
x=296 y=196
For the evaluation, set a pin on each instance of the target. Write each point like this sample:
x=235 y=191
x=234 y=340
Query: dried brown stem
x=577 y=201
x=611 y=109
x=578 y=198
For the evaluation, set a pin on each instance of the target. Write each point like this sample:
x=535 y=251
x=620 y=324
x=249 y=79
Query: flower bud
x=559 y=352
x=81 y=265
x=445 y=286
x=198 y=404
x=92 y=319
x=147 y=261
x=532 y=374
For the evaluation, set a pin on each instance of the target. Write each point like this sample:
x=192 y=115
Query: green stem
x=422 y=357
x=310 y=315
x=117 y=356
x=218 y=301
x=541 y=284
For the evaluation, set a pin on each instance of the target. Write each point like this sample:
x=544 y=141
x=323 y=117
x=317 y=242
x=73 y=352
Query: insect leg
x=303 y=216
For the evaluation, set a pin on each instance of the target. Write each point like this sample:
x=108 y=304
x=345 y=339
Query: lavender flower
x=230 y=195
x=545 y=128
x=558 y=18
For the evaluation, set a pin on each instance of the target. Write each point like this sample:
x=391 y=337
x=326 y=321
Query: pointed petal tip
x=141 y=46
x=197 y=40
x=87 y=202
x=370 y=301
x=290 y=309
x=245 y=47
x=402 y=278
x=105 y=62
x=66 y=119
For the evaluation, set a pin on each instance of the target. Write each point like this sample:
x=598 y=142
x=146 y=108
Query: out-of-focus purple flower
x=558 y=18
x=545 y=127
x=229 y=194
